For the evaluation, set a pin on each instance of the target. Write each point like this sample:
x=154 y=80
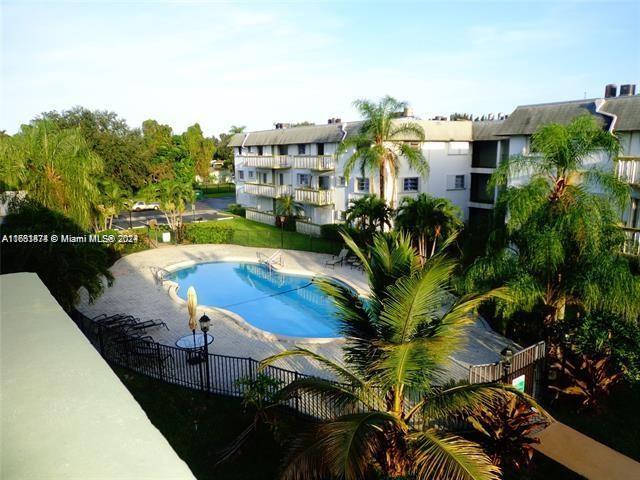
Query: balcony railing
x=628 y=170
x=261 y=217
x=632 y=242
x=267 y=161
x=313 y=196
x=267 y=189
x=315 y=162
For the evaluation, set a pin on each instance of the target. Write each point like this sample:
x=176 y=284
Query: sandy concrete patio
x=137 y=290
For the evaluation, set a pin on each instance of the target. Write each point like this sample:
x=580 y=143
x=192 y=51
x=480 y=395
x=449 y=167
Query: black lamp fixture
x=205 y=322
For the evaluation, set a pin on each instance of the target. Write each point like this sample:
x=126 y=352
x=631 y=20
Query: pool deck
x=139 y=291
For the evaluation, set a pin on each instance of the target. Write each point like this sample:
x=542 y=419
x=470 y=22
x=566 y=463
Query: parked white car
x=141 y=206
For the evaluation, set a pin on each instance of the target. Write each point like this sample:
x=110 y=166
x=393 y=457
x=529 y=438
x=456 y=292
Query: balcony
x=267 y=161
x=628 y=170
x=267 y=189
x=313 y=196
x=632 y=242
x=322 y=163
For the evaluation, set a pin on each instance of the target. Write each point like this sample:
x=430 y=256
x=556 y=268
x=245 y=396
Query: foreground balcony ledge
x=267 y=161
x=314 y=196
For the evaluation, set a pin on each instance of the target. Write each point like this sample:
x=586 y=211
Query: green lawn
x=254 y=234
x=617 y=426
x=198 y=426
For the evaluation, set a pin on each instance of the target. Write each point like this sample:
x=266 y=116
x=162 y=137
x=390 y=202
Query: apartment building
x=302 y=161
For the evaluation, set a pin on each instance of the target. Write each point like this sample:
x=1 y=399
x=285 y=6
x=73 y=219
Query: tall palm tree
x=236 y=129
x=428 y=220
x=381 y=143
x=562 y=240
x=390 y=418
x=56 y=167
x=369 y=214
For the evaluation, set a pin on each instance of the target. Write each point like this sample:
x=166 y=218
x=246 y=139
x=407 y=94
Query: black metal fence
x=125 y=343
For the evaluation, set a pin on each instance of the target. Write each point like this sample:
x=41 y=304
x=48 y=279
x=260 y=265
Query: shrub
x=237 y=209
x=332 y=231
x=209 y=233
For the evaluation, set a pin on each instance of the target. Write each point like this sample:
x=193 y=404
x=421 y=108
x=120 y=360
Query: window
x=239 y=150
x=264 y=178
x=281 y=179
x=320 y=147
x=251 y=173
x=410 y=184
x=260 y=149
x=341 y=182
x=479 y=192
x=458 y=148
x=455 y=182
x=324 y=183
x=241 y=174
x=301 y=149
x=283 y=150
x=304 y=179
x=362 y=185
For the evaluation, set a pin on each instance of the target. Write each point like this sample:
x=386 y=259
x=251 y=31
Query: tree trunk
x=382 y=182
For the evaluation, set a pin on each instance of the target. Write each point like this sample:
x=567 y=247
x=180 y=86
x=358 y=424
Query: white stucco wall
x=65 y=414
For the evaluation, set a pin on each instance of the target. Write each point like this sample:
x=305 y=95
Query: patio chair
x=337 y=259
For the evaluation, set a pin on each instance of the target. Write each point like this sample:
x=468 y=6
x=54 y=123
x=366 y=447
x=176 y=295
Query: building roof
x=526 y=119
x=487 y=130
x=65 y=414
x=627 y=109
x=334 y=133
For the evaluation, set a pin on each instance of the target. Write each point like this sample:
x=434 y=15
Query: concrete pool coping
x=172 y=290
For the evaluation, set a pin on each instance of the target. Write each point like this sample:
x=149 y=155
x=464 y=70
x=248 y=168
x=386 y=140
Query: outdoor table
x=193 y=347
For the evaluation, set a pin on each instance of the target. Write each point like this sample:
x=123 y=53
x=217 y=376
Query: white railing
x=632 y=241
x=267 y=190
x=315 y=162
x=267 y=161
x=492 y=372
x=314 y=197
x=261 y=217
x=628 y=170
x=308 y=228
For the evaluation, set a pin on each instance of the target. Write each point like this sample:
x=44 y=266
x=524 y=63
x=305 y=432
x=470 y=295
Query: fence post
x=159 y=358
x=297 y=397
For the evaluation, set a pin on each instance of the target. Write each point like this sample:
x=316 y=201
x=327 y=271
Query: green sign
x=518 y=383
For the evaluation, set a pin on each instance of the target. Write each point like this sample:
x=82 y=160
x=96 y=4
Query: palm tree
x=113 y=200
x=236 y=129
x=286 y=206
x=428 y=220
x=55 y=166
x=562 y=241
x=369 y=214
x=173 y=197
x=390 y=418
x=381 y=142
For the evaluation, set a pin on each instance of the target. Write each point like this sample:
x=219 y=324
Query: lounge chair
x=337 y=259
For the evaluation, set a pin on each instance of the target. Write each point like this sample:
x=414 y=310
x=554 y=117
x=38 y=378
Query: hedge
x=209 y=233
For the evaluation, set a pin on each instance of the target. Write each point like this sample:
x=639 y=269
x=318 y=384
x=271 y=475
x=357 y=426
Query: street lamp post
x=205 y=321
x=506 y=356
x=282 y=219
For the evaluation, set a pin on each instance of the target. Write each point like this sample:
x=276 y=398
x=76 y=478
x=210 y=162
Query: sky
x=256 y=63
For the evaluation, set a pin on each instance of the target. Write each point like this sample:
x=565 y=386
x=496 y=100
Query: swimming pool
x=277 y=302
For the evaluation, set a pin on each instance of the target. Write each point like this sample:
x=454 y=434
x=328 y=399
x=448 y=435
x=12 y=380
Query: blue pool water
x=280 y=303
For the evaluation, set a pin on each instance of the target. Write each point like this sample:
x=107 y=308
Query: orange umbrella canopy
x=192 y=305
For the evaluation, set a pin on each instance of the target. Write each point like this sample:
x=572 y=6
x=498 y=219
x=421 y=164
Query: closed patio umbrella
x=192 y=305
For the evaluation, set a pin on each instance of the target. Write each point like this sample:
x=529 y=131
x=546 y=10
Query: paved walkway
x=136 y=291
x=584 y=455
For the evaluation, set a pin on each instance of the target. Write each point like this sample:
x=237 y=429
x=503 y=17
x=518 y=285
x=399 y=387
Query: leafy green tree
x=429 y=220
x=121 y=149
x=381 y=143
x=63 y=267
x=562 y=241
x=56 y=167
x=369 y=214
x=200 y=148
x=156 y=135
x=390 y=419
